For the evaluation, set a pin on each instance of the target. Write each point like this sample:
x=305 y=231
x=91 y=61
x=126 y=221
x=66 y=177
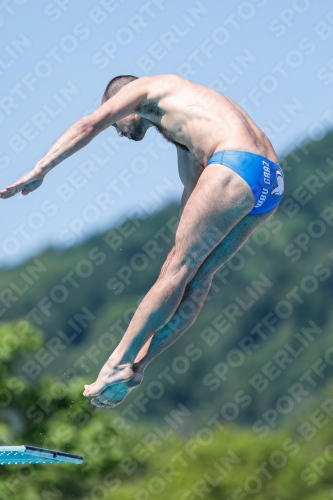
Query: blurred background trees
x=249 y=384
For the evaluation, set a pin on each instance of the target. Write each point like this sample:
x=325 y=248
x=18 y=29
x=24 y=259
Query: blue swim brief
x=264 y=177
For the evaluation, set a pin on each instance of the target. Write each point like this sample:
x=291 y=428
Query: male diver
x=232 y=184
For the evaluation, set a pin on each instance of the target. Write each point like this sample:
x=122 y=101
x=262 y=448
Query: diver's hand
x=25 y=184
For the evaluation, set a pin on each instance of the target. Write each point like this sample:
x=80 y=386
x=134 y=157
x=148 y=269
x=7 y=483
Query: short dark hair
x=116 y=84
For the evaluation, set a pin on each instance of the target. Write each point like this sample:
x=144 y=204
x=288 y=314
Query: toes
x=108 y=404
x=106 y=398
x=86 y=390
x=95 y=403
x=99 y=400
x=92 y=390
x=100 y=404
x=103 y=400
x=99 y=387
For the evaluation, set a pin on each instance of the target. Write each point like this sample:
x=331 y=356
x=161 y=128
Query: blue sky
x=273 y=58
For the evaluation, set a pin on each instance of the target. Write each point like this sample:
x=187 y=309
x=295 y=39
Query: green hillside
x=261 y=349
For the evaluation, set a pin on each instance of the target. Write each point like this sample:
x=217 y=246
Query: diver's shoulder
x=167 y=83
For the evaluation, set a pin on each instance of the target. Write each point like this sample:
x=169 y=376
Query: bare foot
x=107 y=376
x=112 y=395
x=116 y=393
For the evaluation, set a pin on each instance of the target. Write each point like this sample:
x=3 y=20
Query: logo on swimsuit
x=267 y=180
x=263 y=197
x=267 y=173
x=279 y=188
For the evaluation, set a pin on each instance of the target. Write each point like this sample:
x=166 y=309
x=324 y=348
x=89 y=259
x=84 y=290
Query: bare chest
x=168 y=124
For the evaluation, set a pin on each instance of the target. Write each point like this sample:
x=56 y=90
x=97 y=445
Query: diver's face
x=131 y=127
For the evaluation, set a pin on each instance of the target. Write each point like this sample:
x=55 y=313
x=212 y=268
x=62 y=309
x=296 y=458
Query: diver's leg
x=194 y=297
x=219 y=201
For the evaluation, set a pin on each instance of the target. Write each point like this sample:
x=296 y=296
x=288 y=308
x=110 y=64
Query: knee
x=184 y=270
x=180 y=275
x=204 y=276
x=178 y=268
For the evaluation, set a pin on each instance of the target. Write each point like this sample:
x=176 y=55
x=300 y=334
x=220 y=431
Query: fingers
x=26 y=184
x=11 y=190
x=25 y=187
x=8 y=194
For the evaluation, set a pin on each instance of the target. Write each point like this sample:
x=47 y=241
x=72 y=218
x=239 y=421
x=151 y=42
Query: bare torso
x=203 y=120
x=198 y=120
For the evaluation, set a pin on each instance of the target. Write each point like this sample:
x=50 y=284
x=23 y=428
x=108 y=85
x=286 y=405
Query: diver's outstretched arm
x=122 y=104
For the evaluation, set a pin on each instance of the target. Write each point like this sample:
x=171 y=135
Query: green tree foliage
x=140 y=462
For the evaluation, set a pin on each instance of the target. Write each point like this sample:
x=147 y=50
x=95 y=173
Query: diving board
x=32 y=455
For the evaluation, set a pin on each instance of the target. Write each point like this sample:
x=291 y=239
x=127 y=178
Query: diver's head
x=132 y=126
